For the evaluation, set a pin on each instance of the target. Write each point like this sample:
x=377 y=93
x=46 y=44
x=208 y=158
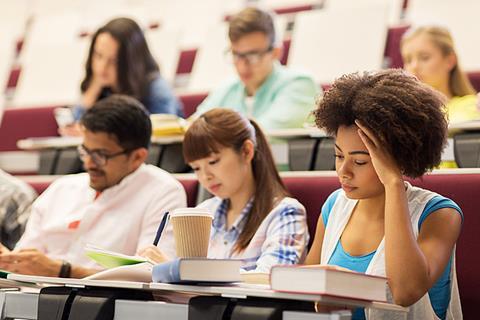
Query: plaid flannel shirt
x=16 y=198
x=281 y=238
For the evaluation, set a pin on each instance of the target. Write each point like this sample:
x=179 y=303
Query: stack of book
x=328 y=280
x=167 y=125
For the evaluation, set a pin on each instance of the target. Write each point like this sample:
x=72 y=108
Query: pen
x=160 y=228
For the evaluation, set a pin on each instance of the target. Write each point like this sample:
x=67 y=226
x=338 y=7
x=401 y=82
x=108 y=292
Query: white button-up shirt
x=123 y=218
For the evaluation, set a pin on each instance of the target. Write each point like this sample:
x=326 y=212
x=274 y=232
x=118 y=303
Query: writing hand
x=153 y=253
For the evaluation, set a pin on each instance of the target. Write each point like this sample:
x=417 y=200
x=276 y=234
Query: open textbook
x=121 y=267
x=140 y=272
x=111 y=259
x=175 y=271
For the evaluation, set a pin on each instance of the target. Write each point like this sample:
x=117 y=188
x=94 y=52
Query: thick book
x=167 y=125
x=328 y=280
x=110 y=259
x=197 y=270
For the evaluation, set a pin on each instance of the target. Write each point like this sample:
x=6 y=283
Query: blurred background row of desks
x=294 y=149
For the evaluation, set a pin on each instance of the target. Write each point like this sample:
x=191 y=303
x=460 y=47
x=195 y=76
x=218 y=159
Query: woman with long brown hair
x=119 y=61
x=254 y=219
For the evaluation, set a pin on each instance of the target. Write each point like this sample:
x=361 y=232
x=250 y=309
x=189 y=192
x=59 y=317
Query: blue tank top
x=439 y=294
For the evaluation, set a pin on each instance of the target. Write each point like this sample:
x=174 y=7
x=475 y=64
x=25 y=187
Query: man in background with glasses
x=274 y=95
x=116 y=205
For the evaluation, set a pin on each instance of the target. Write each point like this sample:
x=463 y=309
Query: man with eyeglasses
x=277 y=97
x=116 y=205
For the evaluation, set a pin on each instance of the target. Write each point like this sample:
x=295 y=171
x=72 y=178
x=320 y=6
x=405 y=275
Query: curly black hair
x=408 y=117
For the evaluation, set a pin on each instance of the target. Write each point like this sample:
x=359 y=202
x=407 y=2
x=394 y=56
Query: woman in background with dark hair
x=254 y=219
x=119 y=61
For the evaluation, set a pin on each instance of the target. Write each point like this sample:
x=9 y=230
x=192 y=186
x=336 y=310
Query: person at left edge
x=117 y=204
x=16 y=198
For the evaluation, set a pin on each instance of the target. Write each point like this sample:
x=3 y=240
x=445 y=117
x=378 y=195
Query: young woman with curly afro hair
x=388 y=125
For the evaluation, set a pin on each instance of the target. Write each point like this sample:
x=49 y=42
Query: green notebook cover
x=4 y=274
x=109 y=259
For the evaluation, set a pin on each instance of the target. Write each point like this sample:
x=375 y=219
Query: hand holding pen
x=152 y=252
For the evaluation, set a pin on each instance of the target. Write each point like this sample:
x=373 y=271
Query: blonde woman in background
x=429 y=53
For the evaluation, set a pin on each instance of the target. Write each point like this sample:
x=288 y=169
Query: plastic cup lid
x=181 y=212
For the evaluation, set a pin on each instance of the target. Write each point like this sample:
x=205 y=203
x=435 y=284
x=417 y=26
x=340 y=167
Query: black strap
x=219 y=308
x=207 y=307
x=267 y=309
x=92 y=303
x=65 y=270
x=54 y=303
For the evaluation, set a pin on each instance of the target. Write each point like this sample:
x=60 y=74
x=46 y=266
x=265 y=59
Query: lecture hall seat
x=186 y=60
x=453 y=15
x=51 y=67
x=294 y=9
x=191 y=102
x=21 y=123
x=190 y=184
x=348 y=49
x=39 y=186
x=474 y=77
x=392 y=46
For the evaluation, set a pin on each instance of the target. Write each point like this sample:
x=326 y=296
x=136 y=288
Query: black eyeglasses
x=251 y=57
x=98 y=157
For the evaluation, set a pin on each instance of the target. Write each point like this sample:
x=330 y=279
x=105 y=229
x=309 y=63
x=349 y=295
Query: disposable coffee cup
x=191 y=231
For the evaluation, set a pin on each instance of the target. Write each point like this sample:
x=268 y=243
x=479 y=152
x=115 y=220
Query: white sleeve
x=172 y=196
x=33 y=236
